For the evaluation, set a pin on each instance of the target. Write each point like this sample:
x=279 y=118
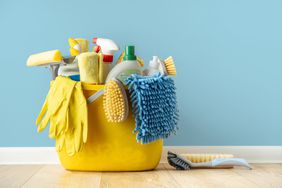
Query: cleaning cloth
x=154 y=105
x=69 y=69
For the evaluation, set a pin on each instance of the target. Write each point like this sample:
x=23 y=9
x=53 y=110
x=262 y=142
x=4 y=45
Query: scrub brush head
x=177 y=162
x=200 y=158
x=115 y=102
x=170 y=66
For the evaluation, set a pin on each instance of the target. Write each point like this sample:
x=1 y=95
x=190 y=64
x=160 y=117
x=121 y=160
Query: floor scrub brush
x=188 y=161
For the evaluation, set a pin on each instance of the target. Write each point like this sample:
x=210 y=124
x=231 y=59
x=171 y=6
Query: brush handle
x=221 y=162
x=231 y=162
x=95 y=96
x=202 y=165
x=54 y=70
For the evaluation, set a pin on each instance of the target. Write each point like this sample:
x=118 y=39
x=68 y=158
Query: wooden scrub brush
x=115 y=101
x=167 y=67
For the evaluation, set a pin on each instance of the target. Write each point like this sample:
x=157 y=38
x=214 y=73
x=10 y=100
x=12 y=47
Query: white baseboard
x=48 y=155
x=28 y=155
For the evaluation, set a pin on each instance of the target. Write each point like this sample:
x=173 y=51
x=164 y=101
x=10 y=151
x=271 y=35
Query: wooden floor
x=263 y=175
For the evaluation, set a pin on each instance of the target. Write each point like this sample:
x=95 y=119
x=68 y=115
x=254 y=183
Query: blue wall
x=228 y=56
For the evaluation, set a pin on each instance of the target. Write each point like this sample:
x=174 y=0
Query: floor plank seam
x=168 y=171
x=32 y=175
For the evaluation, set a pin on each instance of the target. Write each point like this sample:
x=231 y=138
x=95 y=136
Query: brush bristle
x=200 y=158
x=177 y=162
x=115 y=102
x=170 y=66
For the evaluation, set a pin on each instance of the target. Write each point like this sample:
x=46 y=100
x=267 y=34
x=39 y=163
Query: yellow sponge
x=75 y=47
x=115 y=102
x=45 y=58
x=199 y=158
x=88 y=64
x=84 y=44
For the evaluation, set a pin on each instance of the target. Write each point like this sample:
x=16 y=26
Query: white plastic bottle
x=154 y=66
x=128 y=66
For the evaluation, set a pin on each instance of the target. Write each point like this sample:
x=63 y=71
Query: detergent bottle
x=128 y=66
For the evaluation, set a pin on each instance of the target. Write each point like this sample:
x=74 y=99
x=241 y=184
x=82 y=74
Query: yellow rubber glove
x=78 y=121
x=65 y=108
x=55 y=106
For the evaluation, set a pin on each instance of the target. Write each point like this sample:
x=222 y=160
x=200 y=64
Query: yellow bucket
x=111 y=146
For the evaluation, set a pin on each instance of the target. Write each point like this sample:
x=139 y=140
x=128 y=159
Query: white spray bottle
x=107 y=47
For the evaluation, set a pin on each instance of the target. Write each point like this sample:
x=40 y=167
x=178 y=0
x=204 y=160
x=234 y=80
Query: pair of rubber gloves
x=65 y=108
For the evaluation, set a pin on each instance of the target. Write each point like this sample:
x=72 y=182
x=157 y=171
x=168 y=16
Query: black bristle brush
x=177 y=162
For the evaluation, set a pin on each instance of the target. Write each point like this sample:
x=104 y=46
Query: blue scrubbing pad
x=154 y=105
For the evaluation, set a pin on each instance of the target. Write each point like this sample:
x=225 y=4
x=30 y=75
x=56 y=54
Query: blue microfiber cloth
x=154 y=105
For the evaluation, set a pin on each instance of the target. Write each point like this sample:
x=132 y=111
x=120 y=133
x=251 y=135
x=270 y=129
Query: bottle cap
x=129 y=53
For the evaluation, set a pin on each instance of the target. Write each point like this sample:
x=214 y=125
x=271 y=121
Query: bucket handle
x=95 y=96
